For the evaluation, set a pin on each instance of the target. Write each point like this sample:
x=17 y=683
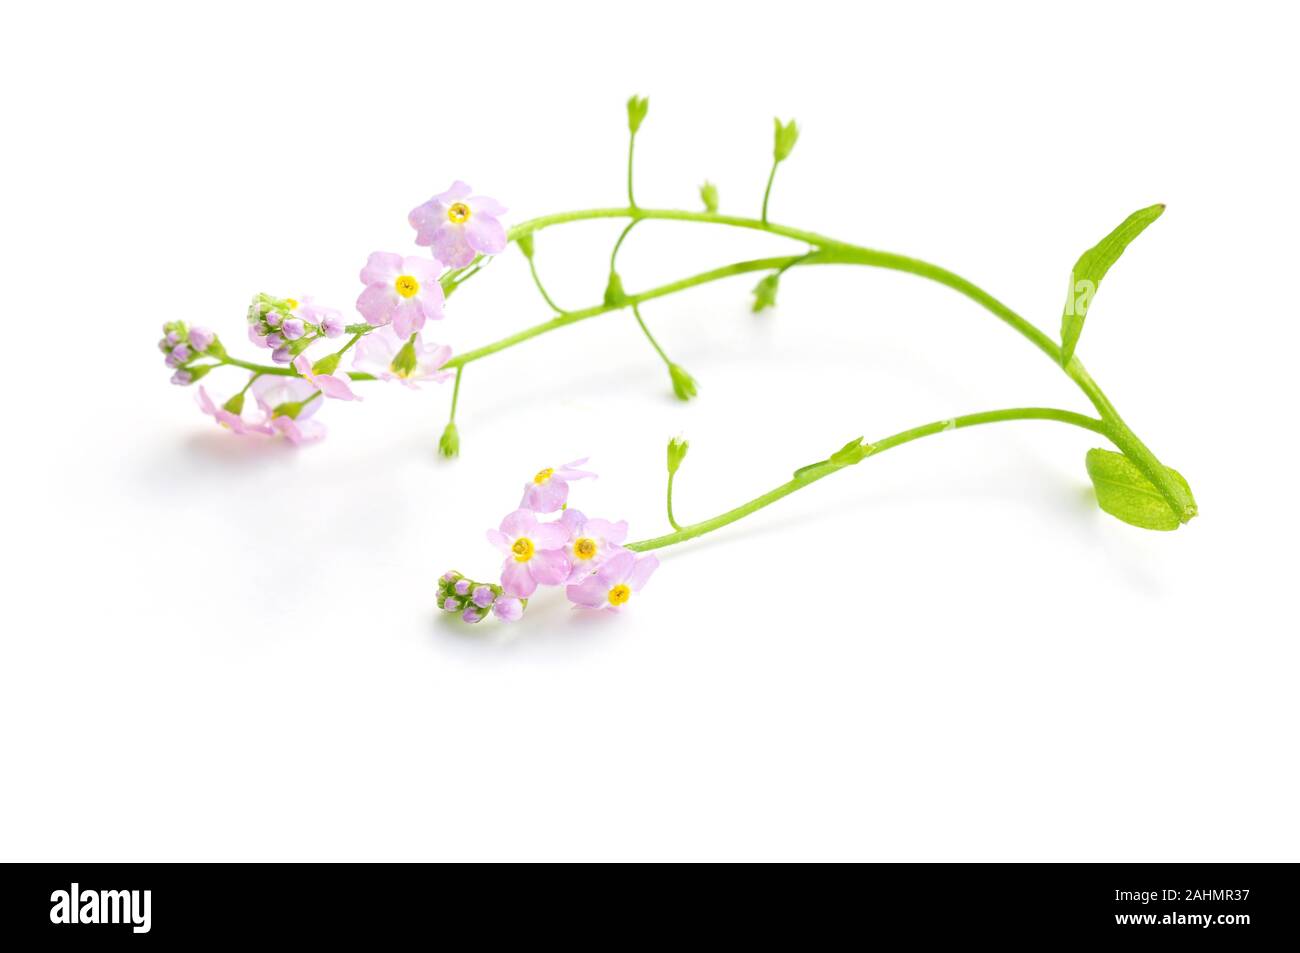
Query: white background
x=219 y=650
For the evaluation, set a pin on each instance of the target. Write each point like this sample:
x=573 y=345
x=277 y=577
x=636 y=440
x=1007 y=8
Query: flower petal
x=382 y=267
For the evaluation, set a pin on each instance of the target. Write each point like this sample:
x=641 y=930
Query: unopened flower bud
x=471 y=615
x=709 y=196
x=483 y=596
x=292 y=328
x=451 y=604
x=405 y=362
x=282 y=355
x=178 y=355
x=677 y=448
x=201 y=338
x=274 y=340
x=765 y=292
x=449 y=442
x=255 y=335
x=182 y=378
x=273 y=319
x=683 y=384
x=637 y=107
x=615 y=297
x=786 y=136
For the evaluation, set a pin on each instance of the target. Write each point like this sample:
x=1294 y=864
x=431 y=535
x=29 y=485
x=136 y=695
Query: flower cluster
x=399 y=295
x=584 y=555
x=183 y=346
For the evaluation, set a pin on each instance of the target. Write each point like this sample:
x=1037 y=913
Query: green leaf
x=1124 y=491
x=1091 y=268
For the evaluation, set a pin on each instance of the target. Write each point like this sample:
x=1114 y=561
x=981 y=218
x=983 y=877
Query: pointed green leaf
x=1091 y=268
x=1125 y=493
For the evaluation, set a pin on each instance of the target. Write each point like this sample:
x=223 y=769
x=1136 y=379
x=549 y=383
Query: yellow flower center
x=584 y=548
x=406 y=286
x=619 y=594
x=291 y=303
x=523 y=549
x=458 y=213
x=543 y=475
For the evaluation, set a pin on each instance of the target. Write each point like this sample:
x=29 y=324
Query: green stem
x=455 y=395
x=811 y=474
x=631 y=146
x=767 y=192
x=671 y=521
x=613 y=256
x=532 y=268
x=636 y=312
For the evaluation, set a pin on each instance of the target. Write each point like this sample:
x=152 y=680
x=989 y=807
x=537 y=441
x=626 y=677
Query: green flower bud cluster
x=474 y=600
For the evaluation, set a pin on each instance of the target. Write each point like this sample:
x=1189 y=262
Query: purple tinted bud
x=178 y=356
x=201 y=338
x=273 y=319
x=508 y=610
x=462 y=586
x=182 y=378
x=448 y=576
x=450 y=605
x=274 y=340
x=256 y=336
x=292 y=328
x=281 y=355
x=471 y=615
x=172 y=339
x=483 y=596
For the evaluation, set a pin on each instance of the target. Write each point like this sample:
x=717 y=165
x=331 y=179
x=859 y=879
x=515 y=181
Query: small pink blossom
x=613 y=584
x=548 y=490
x=328 y=384
x=278 y=392
x=458 y=225
x=534 y=553
x=376 y=351
x=591 y=542
x=404 y=292
x=508 y=609
x=230 y=421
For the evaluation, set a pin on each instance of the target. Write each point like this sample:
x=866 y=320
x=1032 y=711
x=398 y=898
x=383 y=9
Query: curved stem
x=671 y=520
x=455 y=395
x=812 y=474
x=767 y=192
x=631 y=147
x=636 y=313
x=532 y=268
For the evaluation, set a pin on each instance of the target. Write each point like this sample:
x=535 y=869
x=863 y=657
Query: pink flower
x=549 y=489
x=400 y=291
x=228 y=419
x=534 y=553
x=508 y=609
x=591 y=542
x=327 y=384
x=289 y=403
x=329 y=320
x=376 y=353
x=458 y=225
x=612 y=585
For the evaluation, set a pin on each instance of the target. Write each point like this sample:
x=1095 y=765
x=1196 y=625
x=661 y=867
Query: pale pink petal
x=604 y=529
x=591 y=592
x=550 y=567
x=550 y=536
x=335 y=387
x=408 y=317
x=424 y=270
x=617 y=569
x=499 y=539
x=382 y=267
x=516 y=580
x=482 y=205
x=450 y=245
x=519 y=523
x=642 y=571
x=573 y=521
x=459 y=190
x=485 y=234
x=508 y=610
x=377 y=302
